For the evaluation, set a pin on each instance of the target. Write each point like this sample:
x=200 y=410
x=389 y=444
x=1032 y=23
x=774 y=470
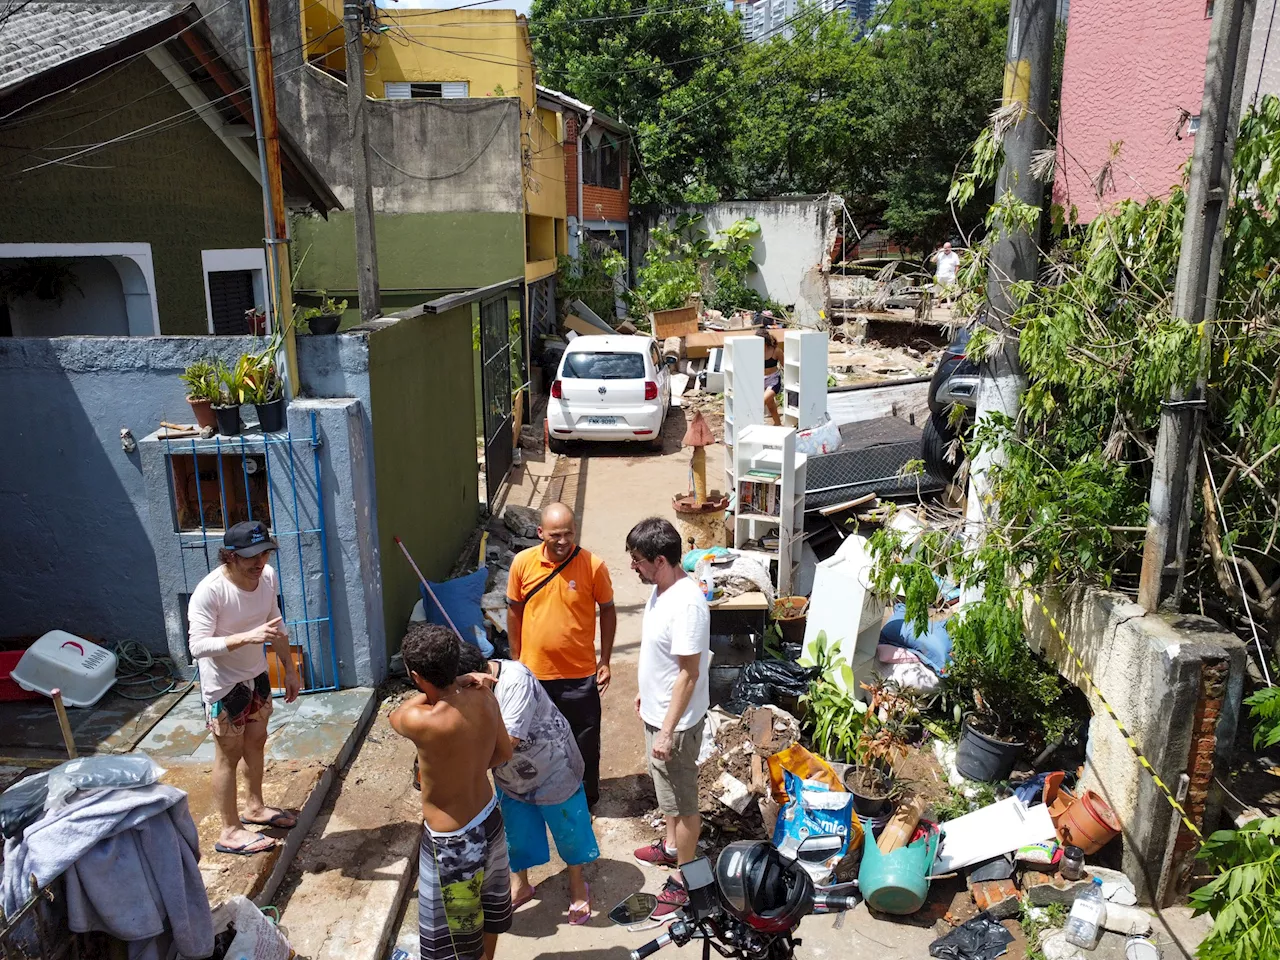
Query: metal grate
x=495 y=381
x=230 y=295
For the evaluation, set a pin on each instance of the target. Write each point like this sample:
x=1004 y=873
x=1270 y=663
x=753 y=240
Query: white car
x=609 y=388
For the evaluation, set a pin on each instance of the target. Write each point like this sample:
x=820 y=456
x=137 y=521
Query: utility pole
x=262 y=85
x=1195 y=294
x=1028 y=75
x=362 y=188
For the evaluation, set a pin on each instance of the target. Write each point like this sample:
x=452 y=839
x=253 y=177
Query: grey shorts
x=676 y=780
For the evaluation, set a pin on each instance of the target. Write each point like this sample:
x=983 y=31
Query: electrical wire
x=1262 y=61
x=443 y=176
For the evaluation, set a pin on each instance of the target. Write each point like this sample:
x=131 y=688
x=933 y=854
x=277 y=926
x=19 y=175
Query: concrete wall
x=424 y=450
x=74 y=548
x=177 y=189
x=795 y=236
x=1176 y=685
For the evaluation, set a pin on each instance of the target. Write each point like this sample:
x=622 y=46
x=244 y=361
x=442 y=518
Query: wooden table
x=746 y=613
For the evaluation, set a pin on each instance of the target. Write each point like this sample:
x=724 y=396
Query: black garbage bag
x=769 y=681
x=981 y=938
x=23 y=804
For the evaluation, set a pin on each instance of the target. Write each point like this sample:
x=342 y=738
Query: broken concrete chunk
x=736 y=794
x=522 y=521
x=494 y=600
x=1116 y=887
x=1044 y=889
x=1127 y=920
x=531 y=437
x=1055 y=946
x=998 y=897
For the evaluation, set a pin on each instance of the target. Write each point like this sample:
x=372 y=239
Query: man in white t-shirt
x=234 y=613
x=675 y=661
x=948 y=262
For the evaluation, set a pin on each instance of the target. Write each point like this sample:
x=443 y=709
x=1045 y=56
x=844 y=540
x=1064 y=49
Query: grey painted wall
x=74 y=552
x=795 y=237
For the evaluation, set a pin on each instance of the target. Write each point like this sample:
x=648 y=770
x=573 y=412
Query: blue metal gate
x=275 y=478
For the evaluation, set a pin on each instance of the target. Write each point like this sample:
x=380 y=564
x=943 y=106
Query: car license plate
x=602 y=421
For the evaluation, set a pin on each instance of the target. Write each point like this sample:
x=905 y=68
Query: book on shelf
x=760 y=473
x=762 y=498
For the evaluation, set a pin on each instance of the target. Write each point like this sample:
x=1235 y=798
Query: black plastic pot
x=980 y=757
x=325 y=323
x=270 y=415
x=228 y=420
x=870 y=808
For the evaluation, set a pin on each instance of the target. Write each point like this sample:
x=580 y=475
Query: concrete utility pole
x=1028 y=75
x=362 y=188
x=1195 y=294
x=262 y=86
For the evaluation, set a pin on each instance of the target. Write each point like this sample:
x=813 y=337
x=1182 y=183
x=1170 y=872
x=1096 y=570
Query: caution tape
x=1128 y=737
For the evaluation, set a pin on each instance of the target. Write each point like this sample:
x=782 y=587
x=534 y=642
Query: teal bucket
x=898 y=882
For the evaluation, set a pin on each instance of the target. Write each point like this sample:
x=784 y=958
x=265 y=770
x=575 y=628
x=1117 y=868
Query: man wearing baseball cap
x=234 y=613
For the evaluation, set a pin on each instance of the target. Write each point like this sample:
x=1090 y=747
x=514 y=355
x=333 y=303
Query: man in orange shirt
x=552 y=596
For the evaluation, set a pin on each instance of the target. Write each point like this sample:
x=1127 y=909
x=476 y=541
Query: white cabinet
x=769 y=521
x=804 y=378
x=843 y=607
x=743 y=371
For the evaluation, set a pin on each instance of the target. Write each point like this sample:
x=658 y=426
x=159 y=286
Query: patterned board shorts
x=464 y=888
x=247 y=702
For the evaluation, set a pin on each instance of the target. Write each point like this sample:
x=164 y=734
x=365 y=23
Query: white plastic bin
x=83 y=670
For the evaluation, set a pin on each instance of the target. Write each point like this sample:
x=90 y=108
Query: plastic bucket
x=898 y=882
x=979 y=757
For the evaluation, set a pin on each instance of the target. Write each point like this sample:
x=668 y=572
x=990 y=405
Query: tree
x=666 y=68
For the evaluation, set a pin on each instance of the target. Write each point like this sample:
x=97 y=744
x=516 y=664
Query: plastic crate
x=81 y=669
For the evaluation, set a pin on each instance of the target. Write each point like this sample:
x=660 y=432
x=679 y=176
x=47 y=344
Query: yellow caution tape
x=1128 y=737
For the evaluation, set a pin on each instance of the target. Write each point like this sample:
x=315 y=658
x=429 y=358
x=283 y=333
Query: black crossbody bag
x=554 y=573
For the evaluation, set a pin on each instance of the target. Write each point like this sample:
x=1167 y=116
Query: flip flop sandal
x=533 y=892
x=273 y=821
x=580 y=916
x=243 y=850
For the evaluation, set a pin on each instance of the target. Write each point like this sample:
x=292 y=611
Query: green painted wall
x=416 y=252
x=424 y=452
x=177 y=188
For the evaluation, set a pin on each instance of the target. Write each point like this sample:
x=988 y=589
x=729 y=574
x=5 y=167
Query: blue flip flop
x=243 y=850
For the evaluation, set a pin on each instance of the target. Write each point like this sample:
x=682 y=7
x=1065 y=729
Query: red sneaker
x=672 y=898
x=656 y=855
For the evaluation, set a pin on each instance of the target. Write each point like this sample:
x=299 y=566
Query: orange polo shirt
x=558 y=626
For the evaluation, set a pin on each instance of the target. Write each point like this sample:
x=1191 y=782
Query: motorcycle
x=749 y=905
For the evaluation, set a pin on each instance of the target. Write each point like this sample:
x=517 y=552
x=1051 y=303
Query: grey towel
x=130 y=859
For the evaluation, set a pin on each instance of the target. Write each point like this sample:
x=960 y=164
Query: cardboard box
x=675 y=323
x=699 y=345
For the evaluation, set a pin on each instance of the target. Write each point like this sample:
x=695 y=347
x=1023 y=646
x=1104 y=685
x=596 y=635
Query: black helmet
x=763 y=888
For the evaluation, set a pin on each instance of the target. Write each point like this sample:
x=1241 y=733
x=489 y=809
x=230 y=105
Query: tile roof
x=37 y=36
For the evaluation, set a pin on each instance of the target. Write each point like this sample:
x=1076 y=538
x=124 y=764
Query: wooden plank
x=698 y=345
x=581 y=327
x=888 y=400
x=745 y=601
x=847 y=505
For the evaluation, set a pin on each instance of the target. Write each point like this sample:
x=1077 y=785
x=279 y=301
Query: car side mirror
x=635 y=909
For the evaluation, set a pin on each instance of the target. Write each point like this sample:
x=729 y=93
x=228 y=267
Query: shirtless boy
x=464 y=882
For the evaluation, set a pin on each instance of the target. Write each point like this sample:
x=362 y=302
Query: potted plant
x=327 y=317
x=265 y=390
x=256 y=318
x=232 y=394
x=203 y=390
x=881 y=744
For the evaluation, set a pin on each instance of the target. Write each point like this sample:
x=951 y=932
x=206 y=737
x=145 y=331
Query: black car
x=954 y=383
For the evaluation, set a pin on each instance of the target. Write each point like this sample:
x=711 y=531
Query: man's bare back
x=459 y=738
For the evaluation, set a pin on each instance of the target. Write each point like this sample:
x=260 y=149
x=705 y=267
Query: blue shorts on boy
x=569 y=824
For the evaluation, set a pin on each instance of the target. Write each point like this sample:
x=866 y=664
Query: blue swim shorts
x=570 y=825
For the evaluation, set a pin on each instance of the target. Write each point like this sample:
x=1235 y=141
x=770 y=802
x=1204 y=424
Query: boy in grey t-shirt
x=540 y=788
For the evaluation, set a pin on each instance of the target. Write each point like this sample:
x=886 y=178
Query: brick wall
x=1201 y=760
x=599 y=203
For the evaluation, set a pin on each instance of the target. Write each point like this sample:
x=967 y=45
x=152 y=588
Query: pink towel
x=888 y=653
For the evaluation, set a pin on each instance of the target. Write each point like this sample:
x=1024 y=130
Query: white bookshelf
x=804 y=378
x=743 y=370
x=770 y=506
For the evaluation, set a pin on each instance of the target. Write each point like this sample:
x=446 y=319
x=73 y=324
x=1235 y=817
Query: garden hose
x=138 y=667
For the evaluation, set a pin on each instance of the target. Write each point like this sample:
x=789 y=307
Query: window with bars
x=231 y=294
x=445 y=90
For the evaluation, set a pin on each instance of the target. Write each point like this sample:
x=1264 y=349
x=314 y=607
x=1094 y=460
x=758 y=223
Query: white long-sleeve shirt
x=219 y=609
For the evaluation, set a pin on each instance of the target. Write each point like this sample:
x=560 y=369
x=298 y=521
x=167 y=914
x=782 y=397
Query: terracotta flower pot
x=202 y=410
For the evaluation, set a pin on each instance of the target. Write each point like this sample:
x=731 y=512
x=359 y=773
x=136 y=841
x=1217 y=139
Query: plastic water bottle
x=1088 y=913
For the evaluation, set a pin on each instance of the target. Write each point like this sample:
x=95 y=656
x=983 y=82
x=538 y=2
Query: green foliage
x=592 y=277
x=957 y=804
x=202 y=380
x=1264 y=709
x=1244 y=898
x=329 y=306
x=682 y=261
x=1035 y=920
x=833 y=717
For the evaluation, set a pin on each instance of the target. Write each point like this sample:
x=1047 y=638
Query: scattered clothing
x=910 y=676
x=675 y=780
x=677 y=623
x=578 y=702
x=570 y=825
x=558 y=624
x=464 y=887
x=933 y=647
x=219 y=609
x=247 y=702
x=888 y=653
x=130 y=859
x=547 y=765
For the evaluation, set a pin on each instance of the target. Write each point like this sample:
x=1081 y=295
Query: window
x=1193 y=125
x=1208 y=10
x=602 y=162
x=604 y=366
x=655 y=356
x=446 y=90
x=201 y=485
x=235 y=282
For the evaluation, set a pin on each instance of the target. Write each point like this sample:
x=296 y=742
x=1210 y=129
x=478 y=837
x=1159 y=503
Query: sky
x=519 y=6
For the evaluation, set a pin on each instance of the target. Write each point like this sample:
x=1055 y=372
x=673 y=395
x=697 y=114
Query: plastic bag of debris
x=256 y=937
x=769 y=681
x=980 y=938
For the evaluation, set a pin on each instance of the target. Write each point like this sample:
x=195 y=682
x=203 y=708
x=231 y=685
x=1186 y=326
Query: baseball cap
x=248 y=538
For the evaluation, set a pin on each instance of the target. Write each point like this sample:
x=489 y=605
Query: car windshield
x=603 y=366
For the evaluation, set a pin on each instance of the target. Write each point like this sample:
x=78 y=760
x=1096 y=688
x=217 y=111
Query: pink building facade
x=1133 y=77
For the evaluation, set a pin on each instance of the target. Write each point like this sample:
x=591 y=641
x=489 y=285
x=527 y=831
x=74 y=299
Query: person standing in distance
x=948 y=262
x=675 y=661
x=553 y=594
x=234 y=613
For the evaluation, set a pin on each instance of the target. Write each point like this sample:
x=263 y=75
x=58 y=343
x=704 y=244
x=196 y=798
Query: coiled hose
x=141 y=675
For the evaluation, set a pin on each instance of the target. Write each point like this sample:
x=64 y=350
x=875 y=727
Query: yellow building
x=461 y=54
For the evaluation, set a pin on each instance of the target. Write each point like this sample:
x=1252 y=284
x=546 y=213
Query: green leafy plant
x=1244 y=898
x=202 y=381
x=669 y=275
x=328 y=307
x=834 y=718
x=1035 y=920
x=1264 y=709
x=593 y=277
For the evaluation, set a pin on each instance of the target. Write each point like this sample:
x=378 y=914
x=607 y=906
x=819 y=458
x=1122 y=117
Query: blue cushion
x=932 y=647
x=461 y=598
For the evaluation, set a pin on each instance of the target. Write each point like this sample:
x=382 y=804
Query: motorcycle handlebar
x=829 y=903
x=652 y=947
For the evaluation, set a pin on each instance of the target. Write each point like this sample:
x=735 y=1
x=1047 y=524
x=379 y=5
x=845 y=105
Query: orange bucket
x=1086 y=821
